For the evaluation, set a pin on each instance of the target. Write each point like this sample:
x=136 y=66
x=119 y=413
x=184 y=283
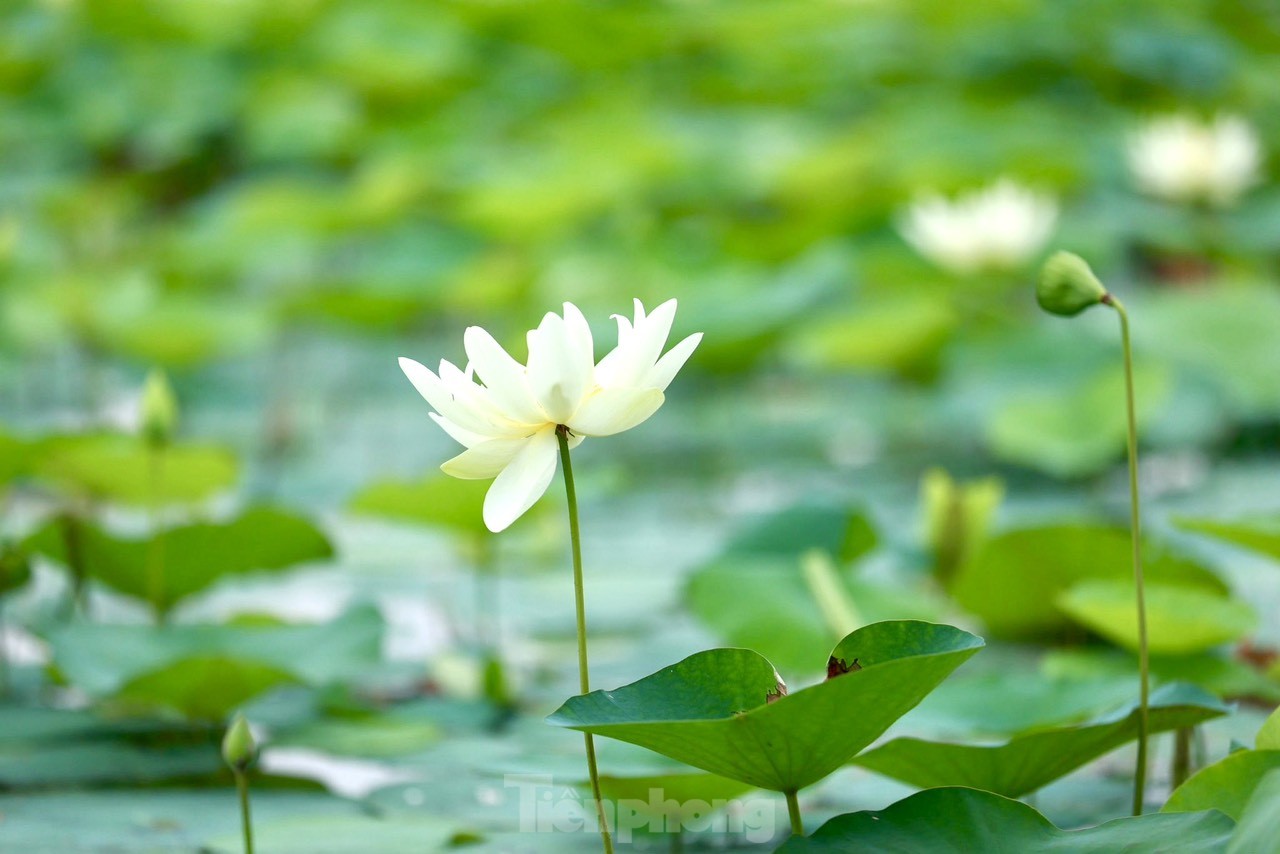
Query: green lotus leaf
x=1179 y=619
x=714 y=709
x=191 y=557
x=1014 y=579
x=122 y=469
x=1025 y=763
x=963 y=821
x=170 y=666
x=1258 y=535
x=1259 y=827
x=1226 y=785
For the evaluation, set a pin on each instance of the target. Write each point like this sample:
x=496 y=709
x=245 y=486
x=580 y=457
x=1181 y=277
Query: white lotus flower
x=508 y=419
x=1001 y=227
x=1181 y=159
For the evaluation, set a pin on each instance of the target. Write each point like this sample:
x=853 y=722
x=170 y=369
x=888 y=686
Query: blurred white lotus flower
x=998 y=228
x=1181 y=159
x=508 y=420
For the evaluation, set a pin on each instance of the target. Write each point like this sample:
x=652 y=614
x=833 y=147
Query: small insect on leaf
x=839 y=667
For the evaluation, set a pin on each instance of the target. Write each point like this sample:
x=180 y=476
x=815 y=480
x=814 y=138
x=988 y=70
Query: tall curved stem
x=584 y=681
x=1140 y=773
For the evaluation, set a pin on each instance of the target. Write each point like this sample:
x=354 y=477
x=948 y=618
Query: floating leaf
x=193 y=557
x=393 y=834
x=202 y=687
x=184 y=330
x=122 y=469
x=435 y=501
x=1028 y=762
x=1225 y=337
x=711 y=709
x=368 y=736
x=962 y=821
x=1014 y=580
x=147 y=662
x=1259 y=535
x=1179 y=619
x=96 y=763
x=1223 y=677
x=1077 y=432
x=53 y=747
x=901 y=335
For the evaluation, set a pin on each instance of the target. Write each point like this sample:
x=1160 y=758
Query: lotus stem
x=584 y=680
x=1181 y=768
x=155 y=551
x=246 y=821
x=793 y=809
x=1140 y=773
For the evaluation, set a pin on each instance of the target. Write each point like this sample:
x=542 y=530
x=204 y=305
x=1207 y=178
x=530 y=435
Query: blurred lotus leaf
x=192 y=557
x=122 y=469
x=1014 y=580
x=204 y=671
x=1078 y=432
x=1179 y=619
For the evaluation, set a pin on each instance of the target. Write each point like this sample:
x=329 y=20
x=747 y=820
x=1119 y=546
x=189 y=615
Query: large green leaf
x=1259 y=535
x=1226 y=785
x=435 y=501
x=389 y=734
x=900 y=335
x=102 y=762
x=712 y=710
x=193 y=557
x=964 y=821
x=1077 y=431
x=184 y=330
x=122 y=469
x=1225 y=337
x=202 y=687
x=332 y=834
x=1014 y=579
x=1027 y=762
x=1221 y=676
x=1259 y=827
x=42 y=747
x=172 y=665
x=1179 y=619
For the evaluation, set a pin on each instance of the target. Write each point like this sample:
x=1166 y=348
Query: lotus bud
x=238 y=746
x=159 y=410
x=1067 y=286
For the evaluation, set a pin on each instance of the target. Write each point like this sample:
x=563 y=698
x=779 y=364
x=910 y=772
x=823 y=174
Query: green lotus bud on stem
x=238 y=746
x=159 y=410
x=1068 y=286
